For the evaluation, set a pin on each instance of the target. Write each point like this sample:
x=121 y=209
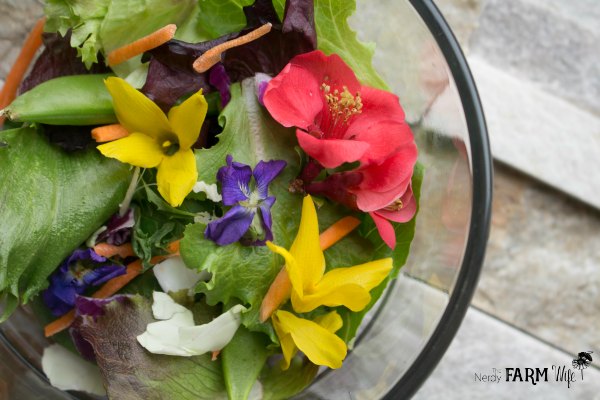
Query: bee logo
x=583 y=360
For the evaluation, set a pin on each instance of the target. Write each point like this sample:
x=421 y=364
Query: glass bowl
x=407 y=333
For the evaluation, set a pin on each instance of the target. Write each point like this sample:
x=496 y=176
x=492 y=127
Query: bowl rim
x=482 y=171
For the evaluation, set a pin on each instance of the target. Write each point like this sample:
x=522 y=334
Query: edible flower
x=311 y=286
x=158 y=140
x=338 y=120
x=83 y=269
x=316 y=339
x=249 y=219
x=176 y=333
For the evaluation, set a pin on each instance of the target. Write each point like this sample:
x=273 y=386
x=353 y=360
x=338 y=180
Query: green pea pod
x=68 y=100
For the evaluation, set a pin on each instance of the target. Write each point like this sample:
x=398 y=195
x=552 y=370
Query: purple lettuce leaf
x=272 y=52
x=57 y=59
x=131 y=372
x=171 y=76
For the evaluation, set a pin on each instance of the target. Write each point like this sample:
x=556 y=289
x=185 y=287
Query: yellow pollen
x=395 y=206
x=342 y=105
x=166 y=144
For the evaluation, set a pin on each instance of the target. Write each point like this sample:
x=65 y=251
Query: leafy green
x=104 y=25
x=334 y=35
x=243 y=359
x=50 y=202
x=280 y=385
x=242 y=273
x=217 y=18
x=251 y=135
x=131 y=372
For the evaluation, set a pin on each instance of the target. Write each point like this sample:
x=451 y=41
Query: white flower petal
x=211 y=191
x=173 y=275
x=178 y=336
x=164 y=307
x=68 y=371
x=212 y=336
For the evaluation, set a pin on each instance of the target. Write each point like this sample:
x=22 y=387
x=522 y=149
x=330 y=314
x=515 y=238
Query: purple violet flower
x=249 y=218
x=83 y=269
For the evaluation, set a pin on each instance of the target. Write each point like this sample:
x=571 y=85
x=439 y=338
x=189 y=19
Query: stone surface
x=540 y=134
x=541 y=272
x=462 y=16
x=545 y=43
x=484 y=343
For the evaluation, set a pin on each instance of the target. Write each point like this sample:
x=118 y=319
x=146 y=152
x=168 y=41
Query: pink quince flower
x=340 y=121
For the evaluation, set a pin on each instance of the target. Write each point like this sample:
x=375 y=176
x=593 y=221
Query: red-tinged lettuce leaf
x=130 y=371
x=50 y=203
x=170 y=75
x=57 y=59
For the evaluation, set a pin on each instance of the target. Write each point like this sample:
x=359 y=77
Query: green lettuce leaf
x=280 y=385
x=50 y=203
x=243 y=359
x=104 y=25
x=130 y=372
x=334 y=35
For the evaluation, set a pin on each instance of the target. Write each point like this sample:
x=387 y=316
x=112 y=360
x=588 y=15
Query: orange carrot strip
x=281 y=288
x=174 y=247
x=59 y=325
x=114 y=285
x=215 y=354
x=110 y=250
x=337 y=231
x=149 y=42
x=108 y=289
x=108 y=133
x=19 y=68
x=213 y=55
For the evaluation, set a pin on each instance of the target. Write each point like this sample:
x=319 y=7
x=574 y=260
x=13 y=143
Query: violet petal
x=231 y=227
x=234 y=178
x=264 y=173
x=99 y=275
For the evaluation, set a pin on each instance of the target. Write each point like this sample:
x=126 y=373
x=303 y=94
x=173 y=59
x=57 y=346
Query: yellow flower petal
x=186 y=119
x=318 y=344
x=345 y=287
x=136 y=149
x=176 y=176
x=367 y=275
x=288 y=347
x=290 y=266
x=306 y=248
x=350 y=295
x=136 y=112
x=331 y=321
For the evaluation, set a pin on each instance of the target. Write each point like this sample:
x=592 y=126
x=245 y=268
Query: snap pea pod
x=68 y=100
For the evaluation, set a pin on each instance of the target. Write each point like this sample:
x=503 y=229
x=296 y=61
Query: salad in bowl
x=201 y=199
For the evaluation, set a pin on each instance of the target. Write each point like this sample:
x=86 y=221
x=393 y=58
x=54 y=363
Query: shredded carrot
x=108 y=289
x=108 y=133
x=149 y=42
x=281 y=288
x=19 y=68
x=215 y=354
x=174 y=247
x=213 y=55
x=110 y=250
x=337 y=231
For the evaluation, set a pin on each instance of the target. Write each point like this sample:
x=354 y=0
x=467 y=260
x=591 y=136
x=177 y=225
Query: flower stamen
x=395 y=206
x=169 y=147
